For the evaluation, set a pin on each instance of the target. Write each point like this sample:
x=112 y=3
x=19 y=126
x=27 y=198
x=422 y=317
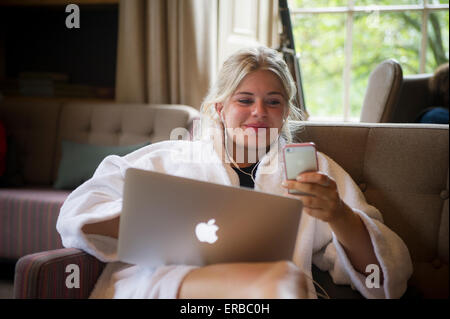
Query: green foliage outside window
x=377 y=36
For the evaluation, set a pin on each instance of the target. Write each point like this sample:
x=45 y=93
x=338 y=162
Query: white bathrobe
x=100 y=199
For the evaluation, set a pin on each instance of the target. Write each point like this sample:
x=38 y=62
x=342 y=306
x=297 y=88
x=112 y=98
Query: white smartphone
x=299 y=158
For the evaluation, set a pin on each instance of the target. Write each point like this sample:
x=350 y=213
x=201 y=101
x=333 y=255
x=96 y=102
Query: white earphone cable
x=326 y=296
x=232 y=160
x=236 y=165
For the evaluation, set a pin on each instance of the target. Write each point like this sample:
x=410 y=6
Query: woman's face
x=257 y=106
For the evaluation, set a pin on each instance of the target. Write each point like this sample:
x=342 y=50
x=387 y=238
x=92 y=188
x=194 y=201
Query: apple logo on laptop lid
x=206 y=232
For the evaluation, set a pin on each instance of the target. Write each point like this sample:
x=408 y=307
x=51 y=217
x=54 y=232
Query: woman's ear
x=219 y=107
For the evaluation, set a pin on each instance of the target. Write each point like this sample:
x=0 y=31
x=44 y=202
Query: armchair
x=402 y=169
x=44 y=274
x=393 y=98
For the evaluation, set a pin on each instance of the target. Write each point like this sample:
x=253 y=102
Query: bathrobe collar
x=270 y=171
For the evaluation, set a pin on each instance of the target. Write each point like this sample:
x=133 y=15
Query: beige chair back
x=382 y=93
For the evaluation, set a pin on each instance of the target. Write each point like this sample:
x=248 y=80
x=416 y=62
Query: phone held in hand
x=299 y=158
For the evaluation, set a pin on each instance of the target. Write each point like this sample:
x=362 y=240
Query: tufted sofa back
x=119 y=124
x=38 y=127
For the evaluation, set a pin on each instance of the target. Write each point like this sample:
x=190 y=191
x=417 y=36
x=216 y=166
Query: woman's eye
x=245 y=101
x=273 y=102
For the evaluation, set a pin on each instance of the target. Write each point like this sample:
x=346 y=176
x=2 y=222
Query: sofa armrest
x=43 y=274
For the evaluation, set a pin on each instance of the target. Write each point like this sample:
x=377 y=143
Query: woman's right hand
x=273 y=280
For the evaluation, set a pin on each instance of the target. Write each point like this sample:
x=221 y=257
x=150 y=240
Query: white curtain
x=167 y=51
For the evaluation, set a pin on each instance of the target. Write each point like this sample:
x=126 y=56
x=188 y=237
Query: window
x=340 y=42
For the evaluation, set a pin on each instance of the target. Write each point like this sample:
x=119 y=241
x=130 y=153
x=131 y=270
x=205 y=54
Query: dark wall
x=36 y=40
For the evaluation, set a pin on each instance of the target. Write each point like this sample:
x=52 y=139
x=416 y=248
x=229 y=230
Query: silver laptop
x=172 y=220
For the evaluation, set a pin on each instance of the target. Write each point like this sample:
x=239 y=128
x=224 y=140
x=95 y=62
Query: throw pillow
x=79 y=161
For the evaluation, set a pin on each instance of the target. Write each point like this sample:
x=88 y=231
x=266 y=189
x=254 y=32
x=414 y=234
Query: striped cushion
x=43 y=275
x=28 y=221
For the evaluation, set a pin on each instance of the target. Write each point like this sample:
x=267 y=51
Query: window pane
x=437 y=50
x=316 y=3
x=385 y=2
x=378 y=37
x=320 y=41
x=343 y=3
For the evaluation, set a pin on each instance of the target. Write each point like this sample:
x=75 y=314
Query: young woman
x=339 y=231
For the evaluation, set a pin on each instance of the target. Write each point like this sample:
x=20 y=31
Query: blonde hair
x=233 y=71
x=438 y=85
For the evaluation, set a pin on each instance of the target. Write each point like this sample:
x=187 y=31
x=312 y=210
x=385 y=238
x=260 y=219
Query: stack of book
x=51 y=84
x=40 y=83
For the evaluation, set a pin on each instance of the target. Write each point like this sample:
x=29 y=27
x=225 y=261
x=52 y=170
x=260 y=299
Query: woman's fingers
x=323 y=201
x=310 y=188
x=317 y=178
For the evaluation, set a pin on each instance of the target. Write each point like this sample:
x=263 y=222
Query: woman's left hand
x=325 y=203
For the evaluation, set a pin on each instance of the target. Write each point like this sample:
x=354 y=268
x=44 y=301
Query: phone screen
x=299 y=158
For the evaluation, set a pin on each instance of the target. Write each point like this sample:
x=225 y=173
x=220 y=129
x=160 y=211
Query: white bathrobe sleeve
x=100 y=199
x=390 y=250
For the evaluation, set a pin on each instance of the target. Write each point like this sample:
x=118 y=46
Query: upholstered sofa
x=29 y=210
x=402 y=170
